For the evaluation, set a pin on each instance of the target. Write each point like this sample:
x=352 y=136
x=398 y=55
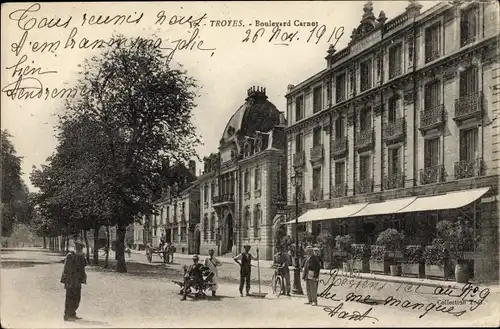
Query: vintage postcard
x=250 y=164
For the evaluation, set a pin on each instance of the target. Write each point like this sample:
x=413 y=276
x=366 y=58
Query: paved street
x=31 y=296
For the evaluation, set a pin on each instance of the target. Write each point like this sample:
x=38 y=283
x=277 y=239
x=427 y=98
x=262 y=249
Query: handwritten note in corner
x=43 y=36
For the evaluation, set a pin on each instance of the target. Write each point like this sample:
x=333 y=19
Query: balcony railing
x=339 y=190
x=340 y=96
x=339 y=145
x=316 y=194
x=468 y=106
x=464 y=41
x=317 y=153
x=364 y=186
x=394 y=180
x=432 y=174
x=364 y=138
x=299 y=159
x=432 y=117
x=394 y=72
x=223 y=198
x=394 y=129
x=469 y=168
x=431 y=55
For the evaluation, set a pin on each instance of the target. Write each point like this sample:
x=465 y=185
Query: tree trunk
x=44 y=243
x=107 y=247
x=67 y=243
x=121 y=266
x=96 y=246
x=87 y=255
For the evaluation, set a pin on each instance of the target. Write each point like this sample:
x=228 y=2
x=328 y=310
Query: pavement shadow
x=92 y=323
x=13 y=264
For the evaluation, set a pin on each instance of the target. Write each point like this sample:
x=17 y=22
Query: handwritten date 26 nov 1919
x=279 y=36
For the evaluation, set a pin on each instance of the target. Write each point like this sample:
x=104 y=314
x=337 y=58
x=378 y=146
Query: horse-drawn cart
x=150 y=251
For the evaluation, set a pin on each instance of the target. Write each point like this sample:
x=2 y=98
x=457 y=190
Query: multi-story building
x=176 y=213
x=243 y=185
x=401 y=129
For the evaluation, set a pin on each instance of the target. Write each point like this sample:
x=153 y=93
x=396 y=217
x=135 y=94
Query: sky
x=225 y=67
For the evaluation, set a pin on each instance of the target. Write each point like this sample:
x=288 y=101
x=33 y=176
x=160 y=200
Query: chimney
x=192 y=167
x=290 y=87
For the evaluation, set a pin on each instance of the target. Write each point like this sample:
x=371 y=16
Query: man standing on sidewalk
x=73 y=277
x=283 y=260
x=245 y=261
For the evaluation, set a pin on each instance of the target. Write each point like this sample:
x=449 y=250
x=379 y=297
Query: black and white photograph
x=250 y=164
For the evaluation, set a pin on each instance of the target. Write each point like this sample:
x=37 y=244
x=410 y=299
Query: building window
x=431 y=153
x=282 y=176
x=394 y=161
x=317 y=178
x=168 y=215
x=212 y=226
x=339 y=128
x=432 y=95
x=393 y=109
x=468 y=144
x=339 y=173
x=205 y=193
x=299 y=108
x=175 y=213
x=365 y=119
x=246 y=227
x=395 y=61
x=469 y=23
x=205 y=227
x=366 y=75
x=299 y=145
x=212 y=189
x=317 y=99
x=364 y=167
x=340 y=87
x=432 y=42
x=257 y=214
x=468 y=82
x=183 y=234
x=316 y=136
x=246 y=180
x=257 y=178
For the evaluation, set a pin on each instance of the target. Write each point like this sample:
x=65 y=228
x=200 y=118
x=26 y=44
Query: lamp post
x=297 y=287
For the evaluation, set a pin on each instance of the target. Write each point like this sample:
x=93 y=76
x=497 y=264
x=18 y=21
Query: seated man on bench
x=193 y=276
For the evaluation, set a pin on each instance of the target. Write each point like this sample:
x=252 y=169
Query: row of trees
x=16 y=200
x=115 y=144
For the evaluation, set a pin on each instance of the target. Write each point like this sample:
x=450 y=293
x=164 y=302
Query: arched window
x=246 y=227
x=205 y=227
x=257 y=216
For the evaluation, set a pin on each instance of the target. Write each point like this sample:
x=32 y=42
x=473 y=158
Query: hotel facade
x=401 y=130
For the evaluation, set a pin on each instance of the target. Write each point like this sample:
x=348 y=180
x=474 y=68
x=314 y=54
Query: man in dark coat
x=193 y=276
x=284 y=260
x=245 y=261
x=73 y=277
x=311 y=276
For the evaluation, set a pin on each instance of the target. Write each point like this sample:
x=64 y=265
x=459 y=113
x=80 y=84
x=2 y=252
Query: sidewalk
x=363 y=276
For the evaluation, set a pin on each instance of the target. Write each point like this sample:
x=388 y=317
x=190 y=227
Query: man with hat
x=192 y=276
x=311 y=275
x=73 y=277
x=245 y=261
x=283 y=260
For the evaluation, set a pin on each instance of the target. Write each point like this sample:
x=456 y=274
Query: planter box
x=362 y=266
x=379 y=266
x=415 y=269
x=436 y=271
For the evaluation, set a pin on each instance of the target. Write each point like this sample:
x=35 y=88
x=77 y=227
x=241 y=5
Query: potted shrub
x=361 y=256
x=413 y=261
x=436 y=260
x=343 y=243
x=327 y=243
x=457 y=236
x=379 y=259
x=391 y=239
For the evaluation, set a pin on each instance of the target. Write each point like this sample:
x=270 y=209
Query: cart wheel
x=149 y=255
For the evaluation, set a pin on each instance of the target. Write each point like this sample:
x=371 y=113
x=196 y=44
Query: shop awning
x=386 y=207
x=452 y=200
x=309 y=216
